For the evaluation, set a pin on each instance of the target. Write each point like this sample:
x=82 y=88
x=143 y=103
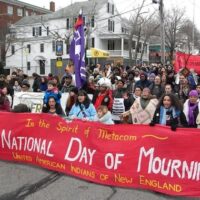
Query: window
x=92 y=22
x=19 y=12
x=42 y=66
x=12 y=49
x=93 y=42
x=53 y=45
x=28 y=66
x=42 y=48
x=108 y=7
x=37 y=31
x=33 y=30
x=113 y=9
x=111 y=45
x=133 y=44
x=47 y=30
x=26 y=13
x=111 y=25
x=68 y=23
x=139 y=47
x=124 y=30
x=29 y=48
x=40 y=31
x=10 y=10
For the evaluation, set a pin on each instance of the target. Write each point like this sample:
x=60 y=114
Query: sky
x=125 y=5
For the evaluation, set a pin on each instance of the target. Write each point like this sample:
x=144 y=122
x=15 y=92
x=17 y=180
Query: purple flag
x=77 y=52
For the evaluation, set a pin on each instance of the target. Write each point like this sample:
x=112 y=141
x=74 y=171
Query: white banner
x=34 y=100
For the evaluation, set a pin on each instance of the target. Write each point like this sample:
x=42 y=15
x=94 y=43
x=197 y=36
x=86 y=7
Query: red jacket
x=5 y=107
x=104 y=99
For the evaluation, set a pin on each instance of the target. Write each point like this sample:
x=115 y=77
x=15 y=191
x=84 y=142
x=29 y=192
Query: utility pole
x=162 y=31
x=162 y=28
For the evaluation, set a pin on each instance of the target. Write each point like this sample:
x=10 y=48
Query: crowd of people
x=152 y=94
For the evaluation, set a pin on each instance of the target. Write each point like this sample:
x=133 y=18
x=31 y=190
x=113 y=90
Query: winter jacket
x=156 y=90
x=174 y=121
x=43 y=87
x=103 y=99
x=52 y=93
x=36 y=84
x=80 y=111
x=195 y=113
x=5 y=105
x=140 y=115
x=106 y=119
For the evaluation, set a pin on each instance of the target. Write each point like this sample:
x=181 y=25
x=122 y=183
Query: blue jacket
x=88 y=113
x=106 y=119
x=43 y=87
x=50 y=93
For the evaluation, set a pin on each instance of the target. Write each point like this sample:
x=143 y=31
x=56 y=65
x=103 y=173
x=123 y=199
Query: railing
x=125 y=54
x=118 y=53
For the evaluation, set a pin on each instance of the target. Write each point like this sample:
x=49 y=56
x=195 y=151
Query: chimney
x=52 y=6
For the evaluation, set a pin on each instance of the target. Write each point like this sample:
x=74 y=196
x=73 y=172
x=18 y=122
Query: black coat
x=174 y=122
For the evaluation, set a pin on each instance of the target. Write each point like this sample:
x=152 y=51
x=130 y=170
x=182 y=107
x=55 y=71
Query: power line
x=119 y=14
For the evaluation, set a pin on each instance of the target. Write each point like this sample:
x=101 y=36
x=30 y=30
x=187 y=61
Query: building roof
x=88 y=7
x=27 y=5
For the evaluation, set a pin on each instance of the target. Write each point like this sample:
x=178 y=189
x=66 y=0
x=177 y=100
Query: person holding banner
x=169 y=112
x=83 y=108
x=4 y=101
x=143 y=108
x=53 y=107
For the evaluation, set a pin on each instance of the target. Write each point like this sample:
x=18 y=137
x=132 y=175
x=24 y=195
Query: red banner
x=136 y=156
x=187 y=60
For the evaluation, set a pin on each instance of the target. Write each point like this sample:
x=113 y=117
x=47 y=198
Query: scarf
x=191 y=118
x=165 y=111
x=144 y=102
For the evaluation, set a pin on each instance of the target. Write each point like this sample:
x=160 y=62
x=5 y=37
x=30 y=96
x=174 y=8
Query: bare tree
x=135 y=29
x=149 y=27
x=189 y=36
x=174 y=20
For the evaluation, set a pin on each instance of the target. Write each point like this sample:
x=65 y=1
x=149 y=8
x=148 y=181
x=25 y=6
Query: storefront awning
x=97 y=53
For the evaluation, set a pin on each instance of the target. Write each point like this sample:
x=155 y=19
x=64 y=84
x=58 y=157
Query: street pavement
x=25 y=182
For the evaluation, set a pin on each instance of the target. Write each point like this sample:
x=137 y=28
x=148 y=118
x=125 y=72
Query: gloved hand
x=152 y=124
x=173 y=127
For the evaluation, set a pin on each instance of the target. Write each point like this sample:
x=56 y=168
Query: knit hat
x=193 y=93
x=152 y=75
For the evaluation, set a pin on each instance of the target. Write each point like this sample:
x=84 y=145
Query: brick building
x=12 y=11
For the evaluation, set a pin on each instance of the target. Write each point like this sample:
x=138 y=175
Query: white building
x=32 y=39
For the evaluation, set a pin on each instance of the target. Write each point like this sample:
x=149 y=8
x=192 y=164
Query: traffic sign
x=59 y=62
